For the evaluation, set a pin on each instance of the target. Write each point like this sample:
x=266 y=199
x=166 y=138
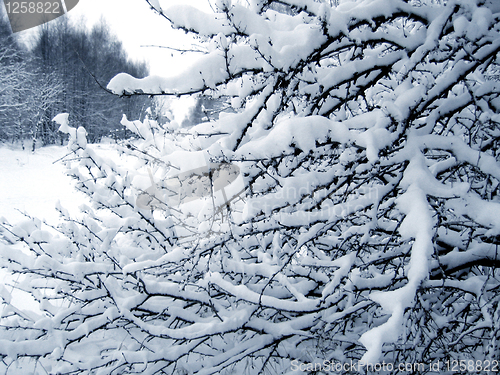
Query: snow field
x=33 y=183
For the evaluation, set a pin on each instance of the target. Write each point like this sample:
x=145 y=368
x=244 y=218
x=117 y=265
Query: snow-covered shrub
x=366 y=135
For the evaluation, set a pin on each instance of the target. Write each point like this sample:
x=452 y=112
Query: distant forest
x=57 y=71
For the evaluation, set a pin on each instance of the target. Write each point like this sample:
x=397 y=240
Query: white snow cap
x=62 y=120
x=155 y=4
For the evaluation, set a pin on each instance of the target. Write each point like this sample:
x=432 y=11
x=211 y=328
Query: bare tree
x=45 y=95
x=14 y=74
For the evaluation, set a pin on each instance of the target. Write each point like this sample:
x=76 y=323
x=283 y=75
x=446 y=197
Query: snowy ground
x=33 y=183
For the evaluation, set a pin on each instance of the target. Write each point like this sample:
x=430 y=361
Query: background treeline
x=56 y=71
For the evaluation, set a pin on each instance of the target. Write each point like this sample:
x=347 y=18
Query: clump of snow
x=63 y=120
x=155 y=4
x=460 y=24
x=480 y=23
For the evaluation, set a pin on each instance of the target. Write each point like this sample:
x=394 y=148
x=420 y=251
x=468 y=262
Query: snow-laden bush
x=365 y=135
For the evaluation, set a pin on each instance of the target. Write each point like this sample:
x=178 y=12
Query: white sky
x=136 y=24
